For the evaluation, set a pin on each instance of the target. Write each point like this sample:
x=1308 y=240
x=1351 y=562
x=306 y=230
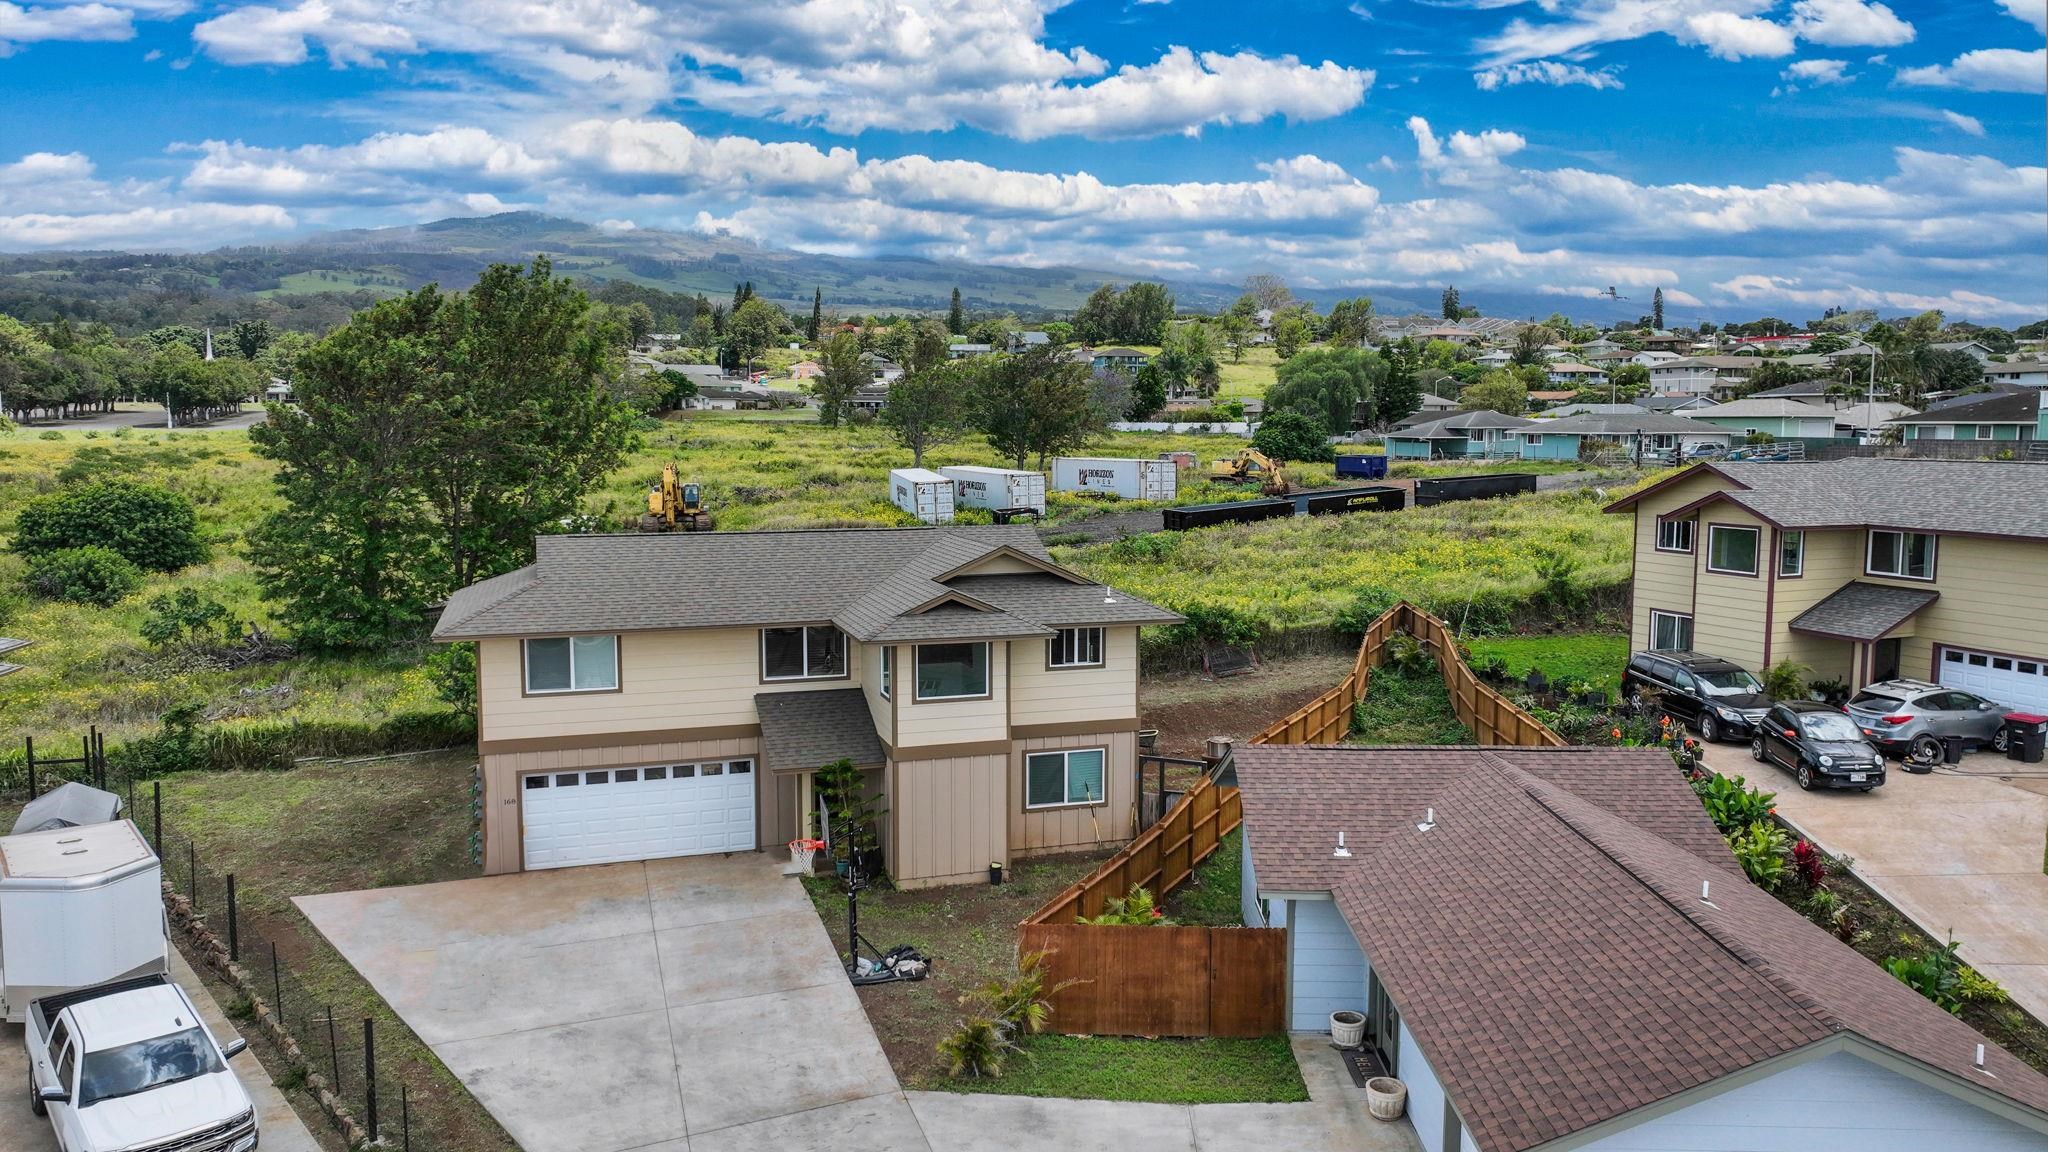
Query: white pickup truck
x=130 y=1067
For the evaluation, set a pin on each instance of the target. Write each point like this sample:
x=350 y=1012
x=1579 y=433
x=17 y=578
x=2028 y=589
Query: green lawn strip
x=1594 y=657
x=1406 y=708
x=1212 y=1070
x=1211 y=897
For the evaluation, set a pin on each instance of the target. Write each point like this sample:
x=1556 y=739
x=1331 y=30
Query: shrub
x=978 y=1048
x=1407 y=655
x=91 y=575
x=1760 y=849
x=1290 y=434
x=1935 y=973
x=1557 y=576
x=1367 y=605
x=1809 y=865
x=452 y=668
x=1732 y=804
x=176 y=746
x=1136 y=908
x=150 y=527
x=1976 y=988
x=855 y=815
x=1214 y=624
x=183 y=617
x=1021 y=1004
x=1785 y=680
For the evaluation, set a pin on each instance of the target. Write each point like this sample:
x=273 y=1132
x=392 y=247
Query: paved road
x=142 y=416
x=697 y=1005
x=22 y=1131
x=1957 y=850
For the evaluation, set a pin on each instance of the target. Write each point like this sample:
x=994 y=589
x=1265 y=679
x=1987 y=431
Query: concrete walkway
x=697 y=1005
x=280 y=1126
x=1959 y=851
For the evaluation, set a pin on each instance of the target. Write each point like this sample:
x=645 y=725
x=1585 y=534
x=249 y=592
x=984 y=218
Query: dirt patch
x=1189 y=707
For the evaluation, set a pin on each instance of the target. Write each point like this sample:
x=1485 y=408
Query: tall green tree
x=434 y=437
x=750 y=329
x=1186 y=365
x=1328 y=384
x=1496 y=392
x=1453 y=308
x=1350 y=321
x=930 y=406
x=250 y=337
x=1657 y=308
x=1529 y=342
x=1399 y=395
x=1037 y=403
x=841 y=373
x=1290 y=334
x=817 y=314
x=956 y=316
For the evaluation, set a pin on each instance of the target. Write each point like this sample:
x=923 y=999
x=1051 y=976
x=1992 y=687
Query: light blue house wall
x=1425 y=1095
x=1406 y=448
x=1837 y=1103
x=1962 y=431
x=1550 y=446
x=1328 y=968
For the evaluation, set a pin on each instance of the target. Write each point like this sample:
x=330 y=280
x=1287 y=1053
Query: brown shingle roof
x=1554 y=961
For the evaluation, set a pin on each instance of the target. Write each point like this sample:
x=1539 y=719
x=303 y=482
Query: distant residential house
x=1454 y=333
x=1700 y=375
x=1019 y=341
x=1668 y=404
x=1864 y=419
x=1121 y=359
x=869 y=399
x=1634 y=433
x=1564 y=410
x=1493 y=358
x=2011 y=416
x=1805 y=391
x=881 y=369
x=1598 y=346
x=1431 y=402
x=962 y=350
x=1545 y=397
x=805 y=370
x=1607 y=357
x=1982 y=353
x=1574 y=375
x=1662 y=341
x=1650 y=357
x=2025 y=374
x=1758 y=345
x=1478 y=433
x=1556 y=353
x=664 y=339
x=1782 y=419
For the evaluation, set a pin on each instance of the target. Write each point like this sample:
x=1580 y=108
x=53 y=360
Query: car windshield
x=1829 y=726
x=1873 y=702
x=145 y=1064
x=1727 y=682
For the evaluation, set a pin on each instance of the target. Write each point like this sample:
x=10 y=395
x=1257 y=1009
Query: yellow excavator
x=1251 y=466
x=673 y=506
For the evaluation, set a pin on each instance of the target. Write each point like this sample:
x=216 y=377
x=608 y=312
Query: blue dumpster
x=1365 y=466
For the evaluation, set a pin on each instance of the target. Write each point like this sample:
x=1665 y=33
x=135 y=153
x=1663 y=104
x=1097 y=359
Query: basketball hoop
x=801 y=855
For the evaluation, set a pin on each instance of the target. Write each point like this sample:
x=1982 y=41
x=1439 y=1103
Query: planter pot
x=1148 y=738
x=1347 y=1029
x=1386 y=1098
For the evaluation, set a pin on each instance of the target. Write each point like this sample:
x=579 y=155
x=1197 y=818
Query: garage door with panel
x=605 y=815
x=2010 y=680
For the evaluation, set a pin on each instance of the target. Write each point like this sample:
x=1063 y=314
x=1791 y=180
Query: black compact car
x=1718 y=697
x=1820 y=746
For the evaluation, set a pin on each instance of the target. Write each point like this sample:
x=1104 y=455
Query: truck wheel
x=1926 y=749
x=35 y=1099
x=1710 y=729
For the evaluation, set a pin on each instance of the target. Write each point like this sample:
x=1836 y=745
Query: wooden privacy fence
x=1182 y=981
x=1174 y=981
x=1492 y=717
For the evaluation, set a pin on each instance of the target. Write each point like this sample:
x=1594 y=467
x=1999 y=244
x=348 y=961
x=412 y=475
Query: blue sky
x=1745 y=155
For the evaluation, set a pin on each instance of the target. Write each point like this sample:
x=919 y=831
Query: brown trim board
x=617 y=739
x=948 y=751
x=1074 y=728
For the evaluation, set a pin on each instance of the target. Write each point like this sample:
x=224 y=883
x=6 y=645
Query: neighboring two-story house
x=1859 y=569
x=644 y=696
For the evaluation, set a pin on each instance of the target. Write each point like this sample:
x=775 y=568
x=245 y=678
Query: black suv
x=1718 y=697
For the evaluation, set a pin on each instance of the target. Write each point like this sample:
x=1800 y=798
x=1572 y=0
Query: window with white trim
x=1987 y=432
x=1732 y=549
x=571 y=664
x=1791 y=553
x=1907 y=555
x=1675 y=535
x=816 y=652
x=1075 y=648
x=888 y=669
x=1670 y=631
x=952 y=671
x=1058 y=779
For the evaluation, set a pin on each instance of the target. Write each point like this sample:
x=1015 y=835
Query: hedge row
x=271 y=745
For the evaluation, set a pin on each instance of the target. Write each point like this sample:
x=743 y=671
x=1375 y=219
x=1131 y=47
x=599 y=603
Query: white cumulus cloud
x=1986 y=70
x=1842 y=23
x=1969 y=124
x=1552 y=72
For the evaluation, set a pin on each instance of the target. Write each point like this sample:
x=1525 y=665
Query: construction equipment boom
x=675 y=506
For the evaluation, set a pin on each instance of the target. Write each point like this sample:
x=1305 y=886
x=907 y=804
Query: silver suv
x=1908 y=718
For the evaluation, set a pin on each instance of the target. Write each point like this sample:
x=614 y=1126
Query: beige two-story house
x=1860 y=569
x=644 y=696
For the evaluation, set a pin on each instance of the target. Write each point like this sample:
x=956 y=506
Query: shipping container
x=1374 y=499
x=1364 y=465
x=996 y=489
x=923 y=493
x=1445 y=489
x=1235 y=512
x=1130 y=479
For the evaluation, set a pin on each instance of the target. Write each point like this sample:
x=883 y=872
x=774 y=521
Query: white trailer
x=996 y=489
x=78 y=907
x=1130 y=479
x=923 y=493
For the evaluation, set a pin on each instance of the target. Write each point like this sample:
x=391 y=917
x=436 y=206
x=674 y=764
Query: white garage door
x=2009 y=680
x=604 y=815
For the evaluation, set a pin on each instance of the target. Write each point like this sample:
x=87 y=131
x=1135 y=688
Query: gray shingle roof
x=1987 y=497
x=870 y=582
x=1860 y=611
x=1060 y=604
x=1455 y=426
x=1765 y=408
x=2022 y=407
x=1546 y=944
x=802 y=730
x=1649 y=423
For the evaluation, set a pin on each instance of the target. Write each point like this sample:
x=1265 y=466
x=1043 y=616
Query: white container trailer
x=1130 y=479
x=923 y=493
x=78 y=907
x=996 y=489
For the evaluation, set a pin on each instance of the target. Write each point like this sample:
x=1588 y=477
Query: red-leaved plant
x=1810 y=866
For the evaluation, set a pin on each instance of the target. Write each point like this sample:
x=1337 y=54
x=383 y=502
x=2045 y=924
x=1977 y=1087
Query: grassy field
x=1213 y=896
x=1594 y=657
x=1406 y=708
x=1248 y=379
x=1213 y=1070
x=1289 y=574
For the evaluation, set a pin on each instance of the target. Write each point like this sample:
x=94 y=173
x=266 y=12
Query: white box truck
x=996 y=489
x=1130 y=479
x=78 y=907
x=923 y=493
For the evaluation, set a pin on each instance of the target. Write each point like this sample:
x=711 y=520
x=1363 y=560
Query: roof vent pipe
x=1428 y=821
x=1980 y=1057
x=1706 y=892
x=1342 y=853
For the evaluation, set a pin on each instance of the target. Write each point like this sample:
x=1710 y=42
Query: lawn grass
x=1594 y=657
x=1406 y=708
x=1247 y=379
x=1213 y=896
x=1212 y=1070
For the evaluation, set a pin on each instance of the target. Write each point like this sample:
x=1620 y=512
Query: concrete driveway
x=666 y=1005
x=1957 y=850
